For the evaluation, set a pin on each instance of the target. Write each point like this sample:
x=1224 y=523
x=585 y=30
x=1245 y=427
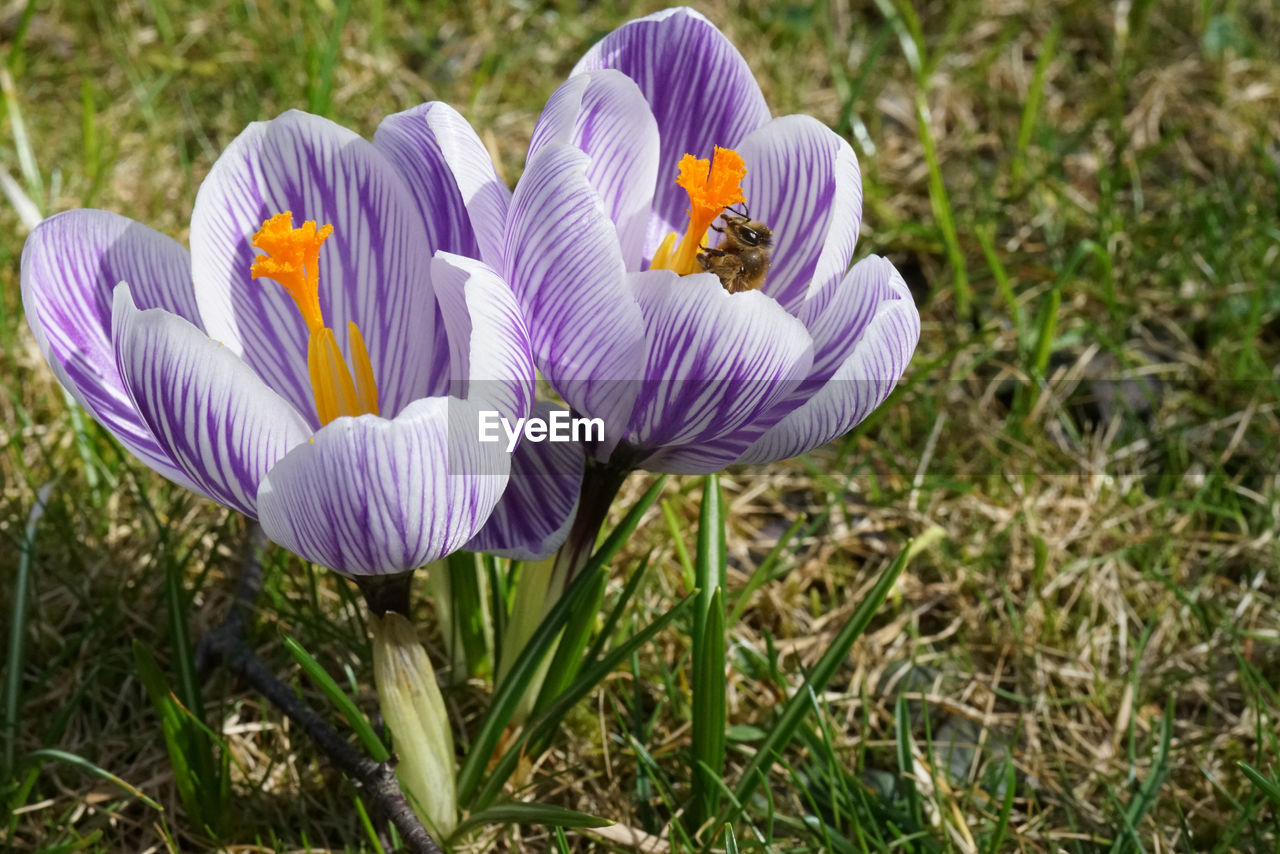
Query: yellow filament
x=712 y=185
x=366 y=388
x=292 y=260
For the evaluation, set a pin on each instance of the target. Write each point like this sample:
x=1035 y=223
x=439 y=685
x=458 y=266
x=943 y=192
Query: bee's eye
x=749 y=236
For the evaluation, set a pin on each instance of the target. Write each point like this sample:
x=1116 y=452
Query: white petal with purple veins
x=208 y=410
x=870 y=286
x=604 y=114
x=533 y=517
x=699 y=87
x=715 y=361
x=881 y=350
x=372 y=270
x=70 y=265
x=374 y=496
x=490 y=359
x=565 y=267
x=452 y=178
x=803 y=182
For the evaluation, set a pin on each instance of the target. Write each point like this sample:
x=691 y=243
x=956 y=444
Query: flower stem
x=600 y=485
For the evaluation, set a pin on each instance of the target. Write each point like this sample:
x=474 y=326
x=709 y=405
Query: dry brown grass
x=1092 y=565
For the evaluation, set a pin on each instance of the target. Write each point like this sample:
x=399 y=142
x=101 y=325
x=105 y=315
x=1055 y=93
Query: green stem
x=600 y=485
x=542 y=584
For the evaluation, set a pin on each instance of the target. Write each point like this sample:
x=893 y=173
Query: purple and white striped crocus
x=633 y=159
x=319 y=358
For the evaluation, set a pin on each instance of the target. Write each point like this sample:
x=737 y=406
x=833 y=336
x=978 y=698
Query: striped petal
x=700 y=90
x=604 y=115
x=803 y=180
x=490 y=360
x=372 y=496
x=565 y=267
x=451 y=177
x=373 y=270
x=207 y=409
x=533 y=517
x=70 y=265
x=715 y=361
x=874 y=311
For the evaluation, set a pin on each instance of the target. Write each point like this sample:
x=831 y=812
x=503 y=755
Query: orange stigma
x=293 y=260
x=712 y=185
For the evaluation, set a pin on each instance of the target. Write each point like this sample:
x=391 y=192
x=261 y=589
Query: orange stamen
x=712 y=185
x=293 y=260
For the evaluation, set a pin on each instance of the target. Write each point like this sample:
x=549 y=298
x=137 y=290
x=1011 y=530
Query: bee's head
x=747 y=231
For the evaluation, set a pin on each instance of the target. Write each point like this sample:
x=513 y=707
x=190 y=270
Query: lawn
x=1082 y=649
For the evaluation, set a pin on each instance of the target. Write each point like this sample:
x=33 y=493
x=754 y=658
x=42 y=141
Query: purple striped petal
x=604 y=114
x=208 y=410
x=700 y=90
x=565 y=267
x=451 y=177
x=882 y=344
x=803 y=181
x=70 y=265
x=855 y=301
x=490 y=360
x=373 y=270
x=373 y=496
x=715 y=361
x=533 y=517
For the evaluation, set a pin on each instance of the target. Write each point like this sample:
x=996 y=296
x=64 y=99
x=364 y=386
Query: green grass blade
x=200 y=779
x=517 y=681
x=797 y=706
x=519 y=812
x=345 y=705
x=709 y=715
x=906 y=763
x=1035 y=98
x=468 y=605
x=627 y=526
x=677 y=542
x=46 y=754
x=18 y=630
x=550 y=720
x=525 y=668
x=902 y=17
x=323 y=62
x=22 y=143
x=615 y=614
x=708 y=679
x=1270 y=788
x=1145 y=798
x=568 y=657
x=1006 y=808
x=366 y=824
x=986 y=239
x=730 y=841
x=762 y=572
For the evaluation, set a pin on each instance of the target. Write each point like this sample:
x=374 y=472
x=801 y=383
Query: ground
x=1083 y=651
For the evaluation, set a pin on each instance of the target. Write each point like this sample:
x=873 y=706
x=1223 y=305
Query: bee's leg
x=704 y=257
x=715 y=227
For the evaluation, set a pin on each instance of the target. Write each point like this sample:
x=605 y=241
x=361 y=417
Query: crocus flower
x=659 y=129
x=319 y=359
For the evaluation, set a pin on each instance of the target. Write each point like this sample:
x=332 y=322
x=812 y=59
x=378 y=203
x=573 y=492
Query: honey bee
x=742 y=258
